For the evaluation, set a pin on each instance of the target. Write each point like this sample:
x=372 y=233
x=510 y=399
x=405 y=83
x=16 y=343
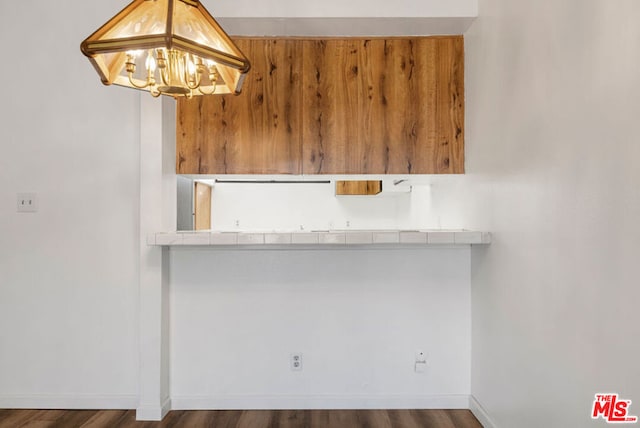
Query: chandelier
x=167 y=47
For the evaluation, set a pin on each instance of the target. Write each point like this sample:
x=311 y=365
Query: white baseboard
x=153 y=413
x=281 y=402
x=58 y=401
x=480 y=413
x=246 y=402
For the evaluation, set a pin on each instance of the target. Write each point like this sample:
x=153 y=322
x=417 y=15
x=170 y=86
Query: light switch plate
x=27 y=203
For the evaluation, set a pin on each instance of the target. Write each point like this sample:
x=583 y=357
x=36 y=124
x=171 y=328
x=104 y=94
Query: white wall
x=68 y=273
x=553 y=100
x=342 y=9
x=358 y=316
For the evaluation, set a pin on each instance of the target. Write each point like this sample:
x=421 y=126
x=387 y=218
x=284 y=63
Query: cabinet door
x=384 y=106
x=202 y=204
x=358 y=187
x=256 y=132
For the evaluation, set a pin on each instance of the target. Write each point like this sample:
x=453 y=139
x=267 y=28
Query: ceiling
x=344 y=18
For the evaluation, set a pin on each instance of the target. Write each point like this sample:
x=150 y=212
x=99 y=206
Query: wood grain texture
x=358 y=187
x=255 y=132
x=202 y=206
x=384 y=106
x=335 y=106
x=243 y=419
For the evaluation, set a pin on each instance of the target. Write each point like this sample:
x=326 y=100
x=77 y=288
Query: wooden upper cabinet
x=335 y=106
x=393 y=106
x=256 y=132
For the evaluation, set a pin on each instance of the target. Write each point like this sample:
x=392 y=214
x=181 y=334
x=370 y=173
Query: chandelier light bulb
x=151 y=63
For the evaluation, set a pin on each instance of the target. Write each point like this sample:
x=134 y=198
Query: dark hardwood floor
x=242 y=419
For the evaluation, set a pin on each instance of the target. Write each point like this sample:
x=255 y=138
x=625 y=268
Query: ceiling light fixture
x=167 y=47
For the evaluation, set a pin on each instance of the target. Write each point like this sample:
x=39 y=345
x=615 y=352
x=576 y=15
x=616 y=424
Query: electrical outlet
x=420 y=364
x=27 y=203
x=296 y=361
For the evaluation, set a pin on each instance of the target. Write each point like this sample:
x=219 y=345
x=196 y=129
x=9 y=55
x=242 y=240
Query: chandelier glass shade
x=167 y=47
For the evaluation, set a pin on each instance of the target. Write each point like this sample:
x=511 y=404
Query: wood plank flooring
x=242 y=419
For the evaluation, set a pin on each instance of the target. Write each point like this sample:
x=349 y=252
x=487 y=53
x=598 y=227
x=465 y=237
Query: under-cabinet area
x=316 y=211
x=307 y=204
x=272 y=203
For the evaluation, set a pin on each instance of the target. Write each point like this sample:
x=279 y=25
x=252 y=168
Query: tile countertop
x=320 y=238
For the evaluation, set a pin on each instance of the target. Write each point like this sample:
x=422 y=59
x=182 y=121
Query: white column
x=157 y=213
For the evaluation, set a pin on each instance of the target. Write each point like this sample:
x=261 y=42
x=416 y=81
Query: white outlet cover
x=27 y=203
x=421 y=357
x=295 y=361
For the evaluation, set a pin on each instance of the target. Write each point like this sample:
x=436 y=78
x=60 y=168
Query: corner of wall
x=480 y=413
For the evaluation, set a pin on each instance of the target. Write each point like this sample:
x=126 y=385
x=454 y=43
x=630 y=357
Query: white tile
x=151 y=239
x=468 y=237
x=413 y=237
x=201 y=238
x=223 y=238
x=304 y=238
x=441 y=237
x=328 y=238
x=386 y=237
x=169 y=238
x=331 y=238
x=250 y=238
x=359 y=238
x=277 y=238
